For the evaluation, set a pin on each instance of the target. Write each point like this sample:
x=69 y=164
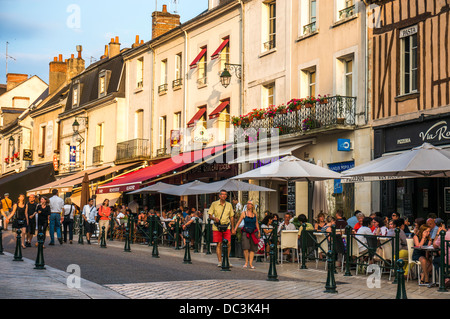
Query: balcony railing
x=202 y=81
x=177 y=83
x=97 y=154
x=335 y=112
x=269 y=45
x=347 y=12
x=162 y=88
x=132 y=150
x=309 y=28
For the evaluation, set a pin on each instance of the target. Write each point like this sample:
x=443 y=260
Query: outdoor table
x=432 y=251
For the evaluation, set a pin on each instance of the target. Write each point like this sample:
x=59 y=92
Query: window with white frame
x=103 y=80
x=178 y=68
x=42 y=138
x=268 y=94
x=76 y=92
x=162 y=132
x=270 y=19
x=345 y=9
x=408 y=60
x=99 y=134
x=308 y=81
x=163 y=81
x=225 y=56
x=312 y=83
x=140 y=73
x=202 y=69
x=177 y=120
x=139 y=124
x=348 y=77
x=308 y=16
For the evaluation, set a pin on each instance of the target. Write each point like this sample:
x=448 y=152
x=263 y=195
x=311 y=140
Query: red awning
x=219 y=109
x=193 y=65
x=220 y=48
x=197 y=116
x=133 y=181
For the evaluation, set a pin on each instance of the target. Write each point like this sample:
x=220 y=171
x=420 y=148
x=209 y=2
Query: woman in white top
x=69 y=212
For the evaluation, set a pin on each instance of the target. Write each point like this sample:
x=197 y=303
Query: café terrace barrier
x=374 y=249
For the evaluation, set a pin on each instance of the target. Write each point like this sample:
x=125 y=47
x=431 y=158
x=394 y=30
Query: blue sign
x=340 y=167
x=338 y=186
x=73 y=155
x=344 y=145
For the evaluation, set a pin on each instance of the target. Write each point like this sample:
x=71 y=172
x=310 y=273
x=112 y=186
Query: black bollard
x=196 y=243
x=208 y=237
x=155 y=253
x=18 y=251
x=81 y=231
x=330 y=286
x=103 y=239
x=1 y=236
x=177 y=234
x=187 y=251
x=272 y=276
x=348 y=232
x=401 y=289
x=111 y=229
x=39 y=264
x=127 y=247
x=225 y=261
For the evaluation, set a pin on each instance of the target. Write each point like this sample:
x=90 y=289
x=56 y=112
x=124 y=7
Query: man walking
x=57 y=210
x=89 y=214
x=221 y=212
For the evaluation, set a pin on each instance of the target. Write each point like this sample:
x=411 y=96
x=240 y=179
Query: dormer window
x=103 y=80
x=76 y=92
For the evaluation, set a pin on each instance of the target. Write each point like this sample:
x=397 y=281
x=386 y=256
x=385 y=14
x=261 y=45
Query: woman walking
x=69 y=211
x=20 y=217
x=43 y=210
x=250 y=234
x=104 y=212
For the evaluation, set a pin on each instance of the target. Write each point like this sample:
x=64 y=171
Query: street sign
x=344 y=145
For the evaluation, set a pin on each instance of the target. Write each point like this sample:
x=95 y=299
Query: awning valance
x=220 y=48
x=219 y=109
x=197 y=116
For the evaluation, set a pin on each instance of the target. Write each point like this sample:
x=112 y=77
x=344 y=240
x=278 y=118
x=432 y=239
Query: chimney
x=75 y=65
x=163 y=22
x=14 y=79
x=137 y=43
x=57 y=73
x=114 y=47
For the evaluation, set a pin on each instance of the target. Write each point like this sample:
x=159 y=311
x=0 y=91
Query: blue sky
x=38 y=30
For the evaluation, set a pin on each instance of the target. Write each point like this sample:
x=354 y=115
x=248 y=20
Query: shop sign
x=27 y=155
x=340 y=167
x=344 y=145
x=407 y=136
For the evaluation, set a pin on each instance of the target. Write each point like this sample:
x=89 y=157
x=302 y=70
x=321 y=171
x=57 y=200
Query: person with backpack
x=68 y=221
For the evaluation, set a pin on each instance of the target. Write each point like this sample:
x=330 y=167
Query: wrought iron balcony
x=97 y=154
x=309 y=28
x=132 y=150
x=269 y=45
x=162 y=88
x=347 y=12
x=337 y=112
x=177 y=83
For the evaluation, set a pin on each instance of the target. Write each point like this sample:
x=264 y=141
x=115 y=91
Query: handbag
x=67 y=217
x=97 y=218
x=222 y=227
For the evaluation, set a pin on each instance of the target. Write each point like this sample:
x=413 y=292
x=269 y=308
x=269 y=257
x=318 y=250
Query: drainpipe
x=152 y=98
x=185 y=85
x=241 y=108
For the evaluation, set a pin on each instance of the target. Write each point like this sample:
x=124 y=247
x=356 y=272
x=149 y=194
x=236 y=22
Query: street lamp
x=76 y=127
x=225 y=77
x=11 y=140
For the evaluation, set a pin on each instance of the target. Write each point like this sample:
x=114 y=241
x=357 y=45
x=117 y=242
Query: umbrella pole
x=160 y=203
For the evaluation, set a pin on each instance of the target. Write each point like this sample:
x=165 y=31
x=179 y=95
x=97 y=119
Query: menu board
x=447 y=199
x=291 y=197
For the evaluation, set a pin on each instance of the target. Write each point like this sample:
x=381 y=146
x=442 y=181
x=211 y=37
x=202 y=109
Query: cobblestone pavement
x=20 y=280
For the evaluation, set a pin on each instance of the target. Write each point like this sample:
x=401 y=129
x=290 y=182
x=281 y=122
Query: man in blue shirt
x=431 y=222
x=352 y=221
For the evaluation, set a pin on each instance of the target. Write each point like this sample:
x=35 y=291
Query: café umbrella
x=85 y=192
x=184 y=190
x=290 y=169
x=423 y=161
x=155 y=188
x=230 y=185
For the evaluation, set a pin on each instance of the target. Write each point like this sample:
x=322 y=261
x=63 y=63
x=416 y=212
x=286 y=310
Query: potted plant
x=308 y=124
x=236 y=120
x=294 y=105
x=340 y=110
x=310 y=101
x=7 y=160
x=282 y=109
x=323 y=99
